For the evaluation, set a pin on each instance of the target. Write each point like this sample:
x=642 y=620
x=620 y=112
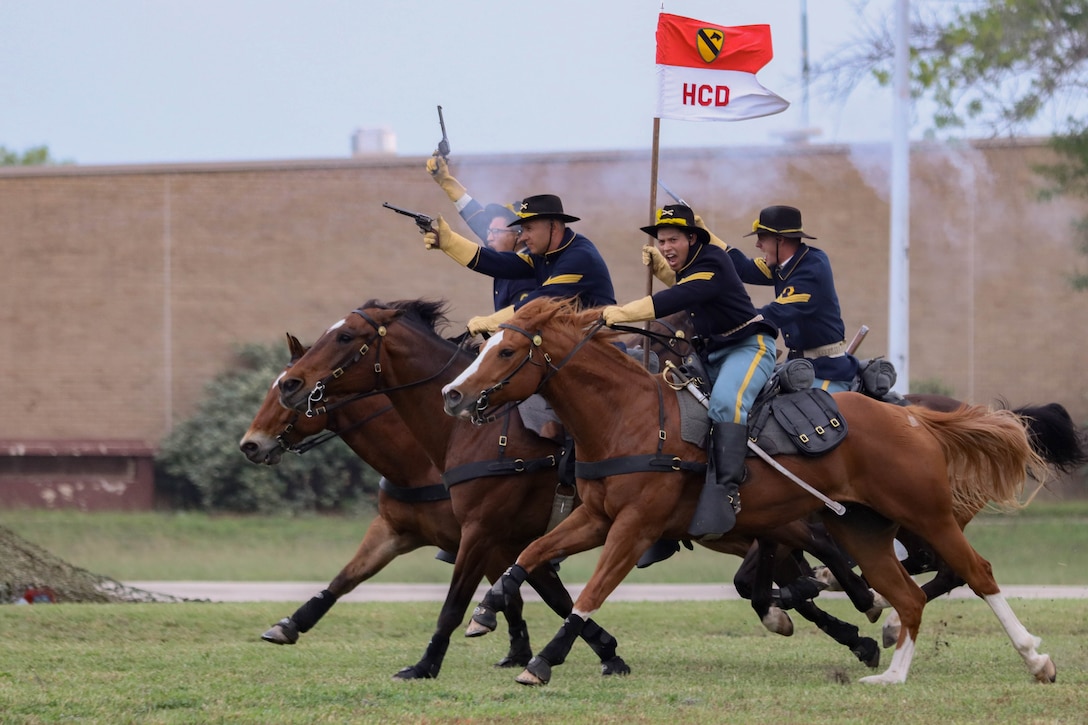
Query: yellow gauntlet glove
x=490 y=323
x=440 y=172
x=651 y=257
x=636 y=311
x=713 y=239
x=455 y=246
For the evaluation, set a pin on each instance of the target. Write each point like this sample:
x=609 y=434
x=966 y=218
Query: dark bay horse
x=414 y=508
x=906 y=466
x=502 y=477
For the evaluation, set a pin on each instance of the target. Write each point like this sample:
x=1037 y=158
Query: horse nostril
x=248 y=447
x=290 y=385
x=453 y=397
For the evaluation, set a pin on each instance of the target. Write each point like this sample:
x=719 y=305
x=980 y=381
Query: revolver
x=422 y=220
x=444 y=144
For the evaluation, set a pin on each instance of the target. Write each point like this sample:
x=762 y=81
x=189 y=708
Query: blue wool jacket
x=806 y=308
x=576 y=269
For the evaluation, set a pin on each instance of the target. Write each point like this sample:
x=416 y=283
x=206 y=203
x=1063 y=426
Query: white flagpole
x=899 y=250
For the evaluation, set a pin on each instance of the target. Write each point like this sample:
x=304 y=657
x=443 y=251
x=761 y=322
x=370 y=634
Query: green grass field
x=1044 y=544
x=693 y=662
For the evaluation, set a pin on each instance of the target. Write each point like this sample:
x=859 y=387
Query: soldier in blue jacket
x=561 y=262
x=736 y=343
x=806 y=306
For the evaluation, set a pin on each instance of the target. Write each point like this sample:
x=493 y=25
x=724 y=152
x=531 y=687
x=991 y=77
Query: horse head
x=520 y=358
x=276 y=429
x=346 y=361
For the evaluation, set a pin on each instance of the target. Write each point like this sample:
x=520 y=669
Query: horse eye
x=506 y=352
x=344 y=338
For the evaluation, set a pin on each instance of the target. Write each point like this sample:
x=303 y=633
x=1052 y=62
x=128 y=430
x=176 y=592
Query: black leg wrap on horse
x=520 y=651
x=556 y=651
x=604 y=645
x=310 y=612
x=428 y=667
x=864 y=648
x=800 y=590
x=498 y=596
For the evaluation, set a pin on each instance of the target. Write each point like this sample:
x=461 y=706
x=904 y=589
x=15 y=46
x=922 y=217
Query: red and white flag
x=708 y=72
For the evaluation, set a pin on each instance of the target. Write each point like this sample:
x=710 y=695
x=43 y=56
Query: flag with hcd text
x=707 y=72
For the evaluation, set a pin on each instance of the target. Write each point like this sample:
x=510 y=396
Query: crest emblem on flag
x=709 y=41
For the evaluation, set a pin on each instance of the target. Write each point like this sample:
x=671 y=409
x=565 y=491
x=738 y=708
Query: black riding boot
x=719 y=502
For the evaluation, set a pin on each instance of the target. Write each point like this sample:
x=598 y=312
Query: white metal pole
x=899 y=250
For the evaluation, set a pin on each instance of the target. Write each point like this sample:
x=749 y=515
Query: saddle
x=788 y=417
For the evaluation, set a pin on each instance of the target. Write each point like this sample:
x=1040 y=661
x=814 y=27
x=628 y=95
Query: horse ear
x=296 y=348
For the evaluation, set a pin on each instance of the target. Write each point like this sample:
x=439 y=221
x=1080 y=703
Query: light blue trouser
x=832 y=386
x=737 y=374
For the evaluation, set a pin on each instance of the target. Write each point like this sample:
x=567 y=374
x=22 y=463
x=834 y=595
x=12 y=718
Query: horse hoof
x=284 y=631
x=823 y=575
x=867 y=652
x=614 y=666
x=483 y=622
x=415 y=672
x=874 y=614
x=1048 y=672
x=777 y=621
x=889 y=635
x=537 y=672
x=475 y=629
x=519 y=659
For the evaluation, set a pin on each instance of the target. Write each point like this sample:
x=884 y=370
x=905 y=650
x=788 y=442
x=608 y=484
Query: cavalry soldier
x=806 y=306
x=491 y=223
x=736 y=343
x=561 y=262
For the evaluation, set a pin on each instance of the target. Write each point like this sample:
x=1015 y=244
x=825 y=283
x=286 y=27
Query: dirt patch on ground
x=31 y=574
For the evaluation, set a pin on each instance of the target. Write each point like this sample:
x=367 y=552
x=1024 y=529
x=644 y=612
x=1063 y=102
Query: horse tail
x=988 y=453
x=1055 y=437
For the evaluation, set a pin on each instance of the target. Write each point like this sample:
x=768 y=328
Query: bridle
x=536 y=341
x=317 y=393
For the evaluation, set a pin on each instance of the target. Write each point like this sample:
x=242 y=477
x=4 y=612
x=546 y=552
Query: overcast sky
x=144 y=81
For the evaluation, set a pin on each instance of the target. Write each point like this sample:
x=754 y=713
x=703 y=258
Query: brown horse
x=502 y=477
x=409 y=362
x=898 y=466
x=413 y=506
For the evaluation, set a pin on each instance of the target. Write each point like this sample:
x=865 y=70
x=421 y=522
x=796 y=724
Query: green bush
x=200 y=467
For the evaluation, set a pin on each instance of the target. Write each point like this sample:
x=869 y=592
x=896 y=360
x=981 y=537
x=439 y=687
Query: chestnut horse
x=502 y=477
x=409 y=362
x=906 y=466
x=413 y=506
x=1051 y=431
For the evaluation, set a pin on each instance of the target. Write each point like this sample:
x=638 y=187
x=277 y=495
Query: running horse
x=899 y=466
x=413 y=506
x=501 y=477
x=409 y=362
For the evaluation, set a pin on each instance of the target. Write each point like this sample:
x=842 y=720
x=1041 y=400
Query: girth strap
x=500 y=467
x=422 y=494
x=635 y=464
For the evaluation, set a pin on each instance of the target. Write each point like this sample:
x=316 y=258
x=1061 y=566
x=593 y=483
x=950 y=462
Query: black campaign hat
x=541 y=206
x=677 y=216
x=782 y=221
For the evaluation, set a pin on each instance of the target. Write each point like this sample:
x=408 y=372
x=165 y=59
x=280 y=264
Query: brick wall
x=125 y=288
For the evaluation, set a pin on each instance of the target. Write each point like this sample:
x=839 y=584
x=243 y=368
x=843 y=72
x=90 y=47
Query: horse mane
x=564 y=316
x=429 y=313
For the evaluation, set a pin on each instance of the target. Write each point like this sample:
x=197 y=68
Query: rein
x=317 y=394
x=321 y=438
x=535 y=341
